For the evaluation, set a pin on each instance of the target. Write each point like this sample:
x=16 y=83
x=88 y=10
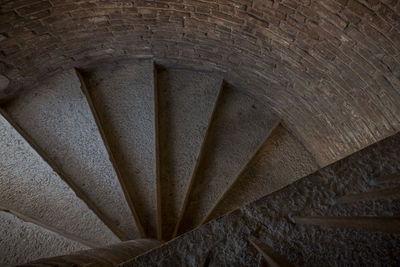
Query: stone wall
x=330 y=68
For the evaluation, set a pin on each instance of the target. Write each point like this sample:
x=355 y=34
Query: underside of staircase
x=131 y=150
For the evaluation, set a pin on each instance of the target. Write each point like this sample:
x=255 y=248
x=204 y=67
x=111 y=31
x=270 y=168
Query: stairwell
x=199 y=133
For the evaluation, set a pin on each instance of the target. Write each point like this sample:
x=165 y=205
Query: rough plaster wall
x=240 y=125
x=186 y=102
x=270 y=219
x=30 y=187
x=281 y=161
x=123 y=96
x=21 y=242
x=57 y=117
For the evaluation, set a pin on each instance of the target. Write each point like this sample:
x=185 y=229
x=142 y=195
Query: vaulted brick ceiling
x=330 y=68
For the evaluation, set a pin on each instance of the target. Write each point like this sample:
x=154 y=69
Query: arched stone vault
x=330 y=68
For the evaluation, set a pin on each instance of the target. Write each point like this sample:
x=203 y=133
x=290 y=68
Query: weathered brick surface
x=329 y=67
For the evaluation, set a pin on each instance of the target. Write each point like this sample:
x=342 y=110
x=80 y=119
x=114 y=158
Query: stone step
x=123 y=101
x=23 y=241
x=56 y=117
x=393 y=178
x=281 y=160
x=371 y=223
x=239 y=127
x=32 y=188
x=186 y=100
x=393 y=192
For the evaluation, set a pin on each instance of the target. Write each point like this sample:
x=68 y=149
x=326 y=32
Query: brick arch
x=330 y=68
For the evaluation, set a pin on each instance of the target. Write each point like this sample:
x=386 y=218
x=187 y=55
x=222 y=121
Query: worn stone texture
x=30 y=187
x=123 y=96
x=59 y=120
x=239 y=127
x=281 y=161
x=271 y=220
x=21 y=241
x=186 y=102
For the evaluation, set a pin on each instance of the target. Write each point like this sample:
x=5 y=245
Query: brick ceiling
x=330 y=68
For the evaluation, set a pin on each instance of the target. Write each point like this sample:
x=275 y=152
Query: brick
x=341 y=2
x=333 y=18
x=228 y=18
x=394 y=35
x=285 y=10
x=34 y=8
x=389 y=15
x=349 y=16
x=378 y=38
x=291 y=4
x=371 y=3
x=379 y=23
x=359 y=8
x=332 y=6
x=262 y=4
x=357 y=36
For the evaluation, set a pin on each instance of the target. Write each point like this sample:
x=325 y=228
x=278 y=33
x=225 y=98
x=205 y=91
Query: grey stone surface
x=123 y=95
x=30 y=187
x=59 y=120
x=186 y=102
x=21 y=241
x=281 y=161
x=271 y=220
x=239 y=127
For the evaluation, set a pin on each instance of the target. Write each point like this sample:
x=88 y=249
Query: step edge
x=109 y=152
x=64 y=177
x=50 y=228
x=244 y=168
x=198 y=160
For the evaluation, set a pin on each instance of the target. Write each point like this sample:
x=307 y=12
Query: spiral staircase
x=199 y=133
x=124 y=151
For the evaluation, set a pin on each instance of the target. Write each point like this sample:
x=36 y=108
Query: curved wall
x=330 y=68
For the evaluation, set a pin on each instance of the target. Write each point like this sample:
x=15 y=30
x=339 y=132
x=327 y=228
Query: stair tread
x=371 y=223
x=57 y=117
x=186 y=100
x=31 y=187
x=30 y=241
x=281 y=160
x=123 y=97
x=240 y=125
x=392 y=192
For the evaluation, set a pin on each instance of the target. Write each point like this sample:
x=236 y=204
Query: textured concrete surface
x=239 y=127
x=123 y=95
x=107 y=256
x=30 y=187
x=186 y=102
x=270 y=219
x=57 y=117
x=281 y=161
x=21 y=241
